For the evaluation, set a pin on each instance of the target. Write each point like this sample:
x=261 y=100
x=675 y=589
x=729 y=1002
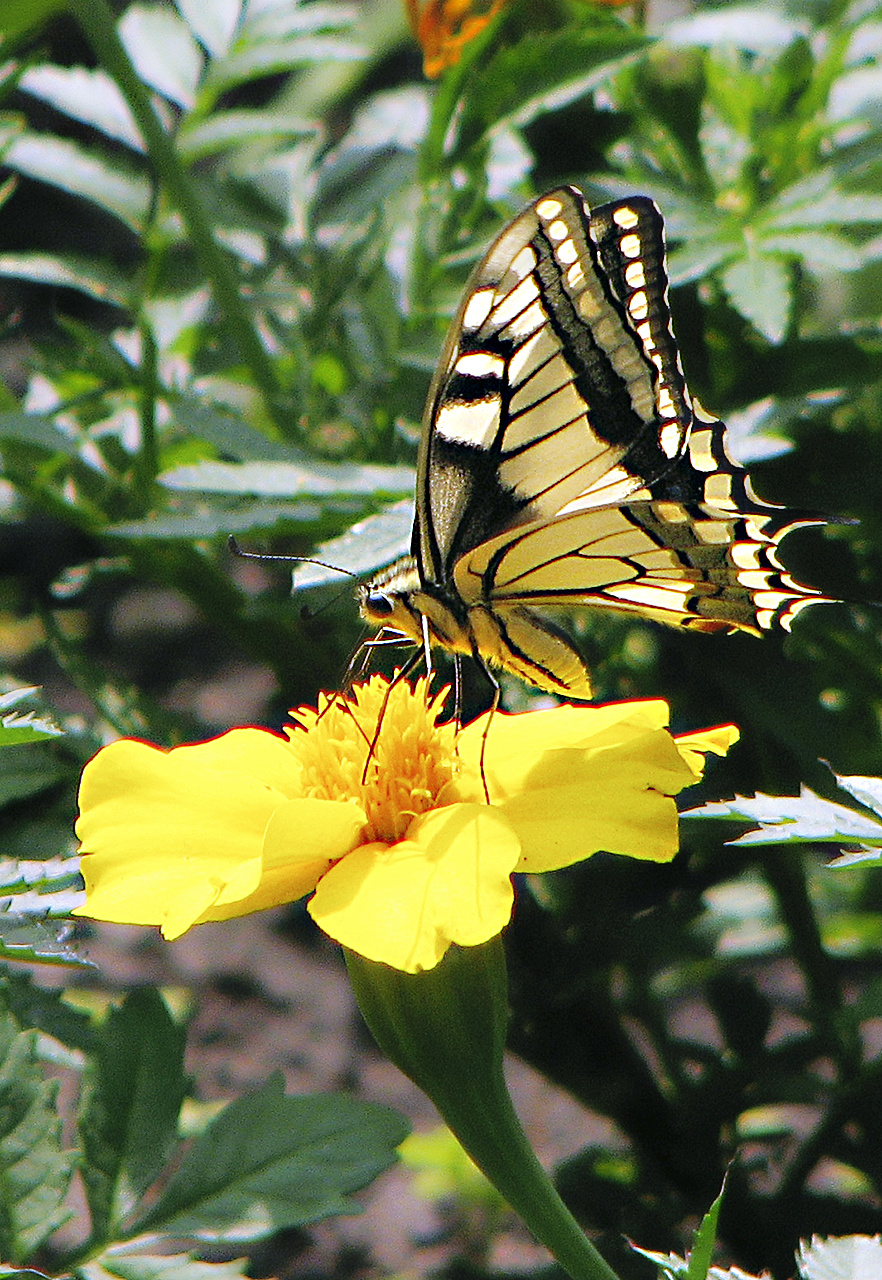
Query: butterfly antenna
x=257 y=555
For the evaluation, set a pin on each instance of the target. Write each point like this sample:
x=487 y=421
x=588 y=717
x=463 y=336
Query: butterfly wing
x=559 y=387
x=697 y=551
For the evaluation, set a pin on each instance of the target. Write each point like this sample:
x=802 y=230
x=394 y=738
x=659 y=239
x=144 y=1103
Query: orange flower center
x=380 y=746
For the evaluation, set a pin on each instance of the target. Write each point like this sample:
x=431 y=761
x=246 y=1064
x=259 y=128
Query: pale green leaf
x=213 y=22
x=269 y=1161
x=275 y=57
x=290 y=479
x=121 y=1264
x=373 y=542
x=86 y=95
x=239 y=128
x=103 y=181
x=795 y=819
x=163 y=51
x=821 y=251
x=759 y=287
x=88 y=275
x=840 y=1258
x=757 y=28
x=195 y=525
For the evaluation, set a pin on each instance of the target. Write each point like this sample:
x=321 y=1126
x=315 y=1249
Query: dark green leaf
x=34 y=1171
x=18 y=16
x=269 y=1161
x=129 y=1122
x=35 y=1008
x=26 y=771
x=702 y=1252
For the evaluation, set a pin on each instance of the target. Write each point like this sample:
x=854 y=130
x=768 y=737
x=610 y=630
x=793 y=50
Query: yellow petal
x=302 y=840
x=403 y=904
x=165 y=837
x=694 y=746
x=254 y=753
x=619 y=799
x=515 y=743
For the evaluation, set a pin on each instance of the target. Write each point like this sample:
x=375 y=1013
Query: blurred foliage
x=231 y=238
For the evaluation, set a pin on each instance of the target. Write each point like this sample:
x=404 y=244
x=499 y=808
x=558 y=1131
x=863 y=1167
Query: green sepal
x=445 y=1028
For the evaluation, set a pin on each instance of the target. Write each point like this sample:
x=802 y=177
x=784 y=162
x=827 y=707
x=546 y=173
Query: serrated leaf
x=759 y=287
x=163 y=51
x=239 y=128
x=89 y=96
x=27 y=940
x=867 y=791
x=213 y=22
x=97 y=279
x=34 y=1172
x=819 y=250
x=175 y=1266
x=377 y=540
x=269 y=1161
x=92 y=176
x=289 y=479
x=794 y=819
x=135 y=1088
x=16 y=729
x=840 y=1258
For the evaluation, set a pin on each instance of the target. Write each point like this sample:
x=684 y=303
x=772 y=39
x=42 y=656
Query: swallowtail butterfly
x=563 y=461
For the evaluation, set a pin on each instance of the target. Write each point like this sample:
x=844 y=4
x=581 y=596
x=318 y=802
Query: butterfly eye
x=378 y=605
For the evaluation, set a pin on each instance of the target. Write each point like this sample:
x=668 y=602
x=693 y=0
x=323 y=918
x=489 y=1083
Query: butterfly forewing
x=559 y=387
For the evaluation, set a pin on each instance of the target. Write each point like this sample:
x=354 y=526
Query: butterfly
x=563 y=461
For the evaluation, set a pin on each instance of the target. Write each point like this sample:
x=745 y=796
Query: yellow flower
x=390 y=831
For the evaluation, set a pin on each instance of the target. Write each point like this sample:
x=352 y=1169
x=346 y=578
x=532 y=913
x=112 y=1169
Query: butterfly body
x=563 y=461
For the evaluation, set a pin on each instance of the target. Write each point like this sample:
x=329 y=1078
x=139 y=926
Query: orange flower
x=443 y=27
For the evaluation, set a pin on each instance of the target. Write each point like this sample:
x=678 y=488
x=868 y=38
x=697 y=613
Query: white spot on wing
x=474 y=423
x=480 y=364
x=477 y=309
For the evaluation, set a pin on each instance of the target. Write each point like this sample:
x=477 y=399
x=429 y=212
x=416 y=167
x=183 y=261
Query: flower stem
x=445 y=1029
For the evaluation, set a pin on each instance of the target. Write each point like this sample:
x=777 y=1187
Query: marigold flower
x=444 y=27
x=389 y=831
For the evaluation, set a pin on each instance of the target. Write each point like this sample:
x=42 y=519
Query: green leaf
x=173 y=1266
x=703 y=1241
x=97 y=279
x=289 y=479
x=213 y=22
x=111 y=184
x=34 y=1171
x=377 y=540
x=29 y=941
x=26 y=771
x=757 y=28
x=269 y=1161
x=759 y=287
x=544 y=73
x=89 y=96
x=229 y=434
x=275 y=57
x=163 y=51
x=134 y=1092
x=19 y=16
x=195 y=525
x=226 y=129
x=795 y=819
x=822 y=252
x=840 y=1258
x=38 y=1009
